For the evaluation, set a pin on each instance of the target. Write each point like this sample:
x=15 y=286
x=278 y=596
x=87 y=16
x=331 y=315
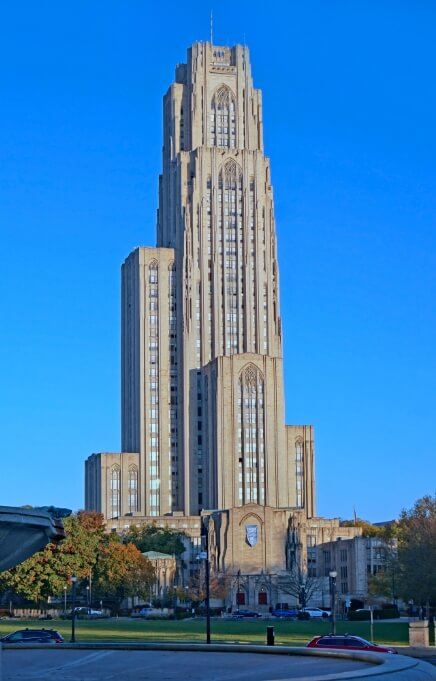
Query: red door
x=262 y=598
x=240 y=598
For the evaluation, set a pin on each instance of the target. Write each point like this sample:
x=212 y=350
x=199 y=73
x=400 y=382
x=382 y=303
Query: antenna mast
x=211 y=27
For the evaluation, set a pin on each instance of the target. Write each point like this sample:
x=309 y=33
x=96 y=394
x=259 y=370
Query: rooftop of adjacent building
x=157 y=555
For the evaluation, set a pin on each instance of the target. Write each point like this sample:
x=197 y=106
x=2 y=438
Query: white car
x=317 y=612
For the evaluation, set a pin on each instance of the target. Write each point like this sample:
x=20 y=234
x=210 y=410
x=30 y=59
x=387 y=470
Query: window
x=115 y=492
x=222 y=128
x=230 y=225
x=133 y=489
x=299 y=473
x=251 y=437
x=152 y=295
x=354 y=642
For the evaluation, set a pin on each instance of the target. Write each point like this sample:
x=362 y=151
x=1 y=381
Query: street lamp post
x=88 y=599
x=238 y=587
x=205 y=534
x=73 y=608
x=333 y=574
x=303 y=595
x=65 y=599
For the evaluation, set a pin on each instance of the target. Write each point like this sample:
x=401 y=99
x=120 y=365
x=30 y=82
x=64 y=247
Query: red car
x=347 y=642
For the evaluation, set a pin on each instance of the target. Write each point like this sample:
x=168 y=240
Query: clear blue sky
x=349 y=112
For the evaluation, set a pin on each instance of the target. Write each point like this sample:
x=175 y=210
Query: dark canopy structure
x=24 y=531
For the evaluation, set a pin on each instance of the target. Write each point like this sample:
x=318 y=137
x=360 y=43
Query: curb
x=399 y=667
x=415 y=651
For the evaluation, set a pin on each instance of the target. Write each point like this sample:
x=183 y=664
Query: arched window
x=133 y=489
x=223 y=119
x=251 y=427
x=299 y=472
x=231 y=240
x=115 y=492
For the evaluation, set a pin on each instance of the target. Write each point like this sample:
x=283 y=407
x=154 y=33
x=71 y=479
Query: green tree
x=122 y=571
x=154 y=538
x=368 y=530
x=416 y=534
x=48 y=571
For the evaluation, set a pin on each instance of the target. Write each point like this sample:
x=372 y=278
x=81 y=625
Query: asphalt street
x=78 y=665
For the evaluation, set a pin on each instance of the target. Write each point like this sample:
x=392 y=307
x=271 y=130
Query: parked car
x=145 y=612
x=83 y=613
x=95 y=614
x=347 y=642
x=382 y=613
x=242 y=614
x=285 y=613
x=316 y=612
x=33 y=636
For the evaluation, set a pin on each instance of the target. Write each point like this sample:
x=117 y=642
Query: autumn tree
x=195 y=591
x=48 y=571
x=122 y=571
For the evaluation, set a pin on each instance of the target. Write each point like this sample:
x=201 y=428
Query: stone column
x=418 y=634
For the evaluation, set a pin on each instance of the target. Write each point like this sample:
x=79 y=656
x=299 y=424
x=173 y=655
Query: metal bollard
x=270 y=636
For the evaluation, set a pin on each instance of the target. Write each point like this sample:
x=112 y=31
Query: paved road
x=107 y=665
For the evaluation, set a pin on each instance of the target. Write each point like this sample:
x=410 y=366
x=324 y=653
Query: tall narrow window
x=115 y=492
x=223 y=119
x=173 y=400
x=153 y=386
x=251 y=436
x=299 y=473
x=230 y=235
x=133 y=489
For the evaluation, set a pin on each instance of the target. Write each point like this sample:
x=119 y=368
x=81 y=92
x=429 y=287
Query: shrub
x=387 y=613
x=357 y=616
x=303 y=616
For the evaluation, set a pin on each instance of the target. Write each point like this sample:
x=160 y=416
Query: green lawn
x=224 y=631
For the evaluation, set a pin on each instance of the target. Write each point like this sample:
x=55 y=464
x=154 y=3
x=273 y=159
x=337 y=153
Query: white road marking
x=47 y=672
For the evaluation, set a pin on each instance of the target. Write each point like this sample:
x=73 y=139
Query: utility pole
x=73 y=609
x=90 y=589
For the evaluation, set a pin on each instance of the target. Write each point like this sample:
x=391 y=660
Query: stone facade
x=202 y=375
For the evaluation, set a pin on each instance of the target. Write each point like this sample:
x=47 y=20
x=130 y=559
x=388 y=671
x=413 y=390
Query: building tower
x=203 y=429
x=202 y=380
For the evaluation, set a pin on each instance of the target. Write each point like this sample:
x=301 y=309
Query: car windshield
x=18 y=636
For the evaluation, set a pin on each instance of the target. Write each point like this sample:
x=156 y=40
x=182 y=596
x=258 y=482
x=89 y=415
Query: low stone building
x=354 y=559
x=165 y=567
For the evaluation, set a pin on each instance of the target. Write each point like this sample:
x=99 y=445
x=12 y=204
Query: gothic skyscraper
x=202 y=379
